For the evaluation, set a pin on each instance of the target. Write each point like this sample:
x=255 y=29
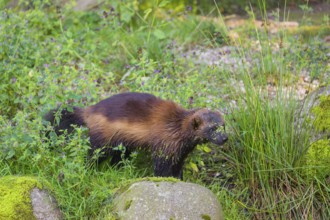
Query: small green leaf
x=10 y=154
x=206 y=149
x=163 y=3
x=126 y=14
x=146 y=13
x=193 y=167
x=159 y=34
x=69 y=34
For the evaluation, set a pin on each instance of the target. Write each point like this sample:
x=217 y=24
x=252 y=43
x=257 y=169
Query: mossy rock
x=314 y=120
x=318 y=154
x=318 y=159
x=164 y=200
x=313 y=114
x=322 y=114
x=311 y=31
x=24 y=198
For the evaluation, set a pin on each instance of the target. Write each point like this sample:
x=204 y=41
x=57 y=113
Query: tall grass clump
x=268 y=149
x=268 y=146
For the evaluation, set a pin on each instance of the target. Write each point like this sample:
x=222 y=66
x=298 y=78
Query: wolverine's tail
x=63 y=119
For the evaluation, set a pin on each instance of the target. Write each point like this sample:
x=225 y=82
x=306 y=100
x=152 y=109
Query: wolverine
x=144 y=121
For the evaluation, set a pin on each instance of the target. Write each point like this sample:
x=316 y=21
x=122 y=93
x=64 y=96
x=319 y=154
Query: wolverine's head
x=209 y=126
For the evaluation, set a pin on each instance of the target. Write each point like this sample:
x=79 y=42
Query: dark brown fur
x=143 y=121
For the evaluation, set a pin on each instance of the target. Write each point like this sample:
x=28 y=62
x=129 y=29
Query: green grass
x=52 y=57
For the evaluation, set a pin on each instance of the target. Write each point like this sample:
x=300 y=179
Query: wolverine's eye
x=213 y=129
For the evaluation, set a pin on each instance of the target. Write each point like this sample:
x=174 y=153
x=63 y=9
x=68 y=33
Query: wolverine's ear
x=196 y=122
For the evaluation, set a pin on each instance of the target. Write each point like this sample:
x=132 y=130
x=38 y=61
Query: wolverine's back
x=130 y=106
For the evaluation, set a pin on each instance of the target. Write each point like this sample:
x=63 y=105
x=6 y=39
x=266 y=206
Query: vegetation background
x=255 y=68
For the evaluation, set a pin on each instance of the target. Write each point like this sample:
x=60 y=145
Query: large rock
x=23 y=198
x=314 y=121
x=306 y=117
x=148 y=200
x=84 y=5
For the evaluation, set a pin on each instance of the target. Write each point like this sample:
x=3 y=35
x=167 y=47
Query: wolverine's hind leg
x=99 y=150
x=118 y=155
x=107 y=152
x=102 y=149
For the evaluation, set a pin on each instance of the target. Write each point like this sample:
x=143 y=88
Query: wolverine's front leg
x=167 y=167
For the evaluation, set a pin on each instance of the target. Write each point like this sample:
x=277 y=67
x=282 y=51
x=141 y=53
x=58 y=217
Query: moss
x=318 y=154
x=107 y=215
x=15 y=202
x=206 y=217
x=310 y=31
x=126 y=184
x=318 y=159
x=322 y=115
x=128 y=204
x=160 y=179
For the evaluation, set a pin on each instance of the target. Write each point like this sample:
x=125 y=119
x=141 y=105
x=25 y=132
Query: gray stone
x=167 y=200
x=85 y=5
x=44 y=206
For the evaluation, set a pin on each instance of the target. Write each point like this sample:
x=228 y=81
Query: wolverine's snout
x=219 y=139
